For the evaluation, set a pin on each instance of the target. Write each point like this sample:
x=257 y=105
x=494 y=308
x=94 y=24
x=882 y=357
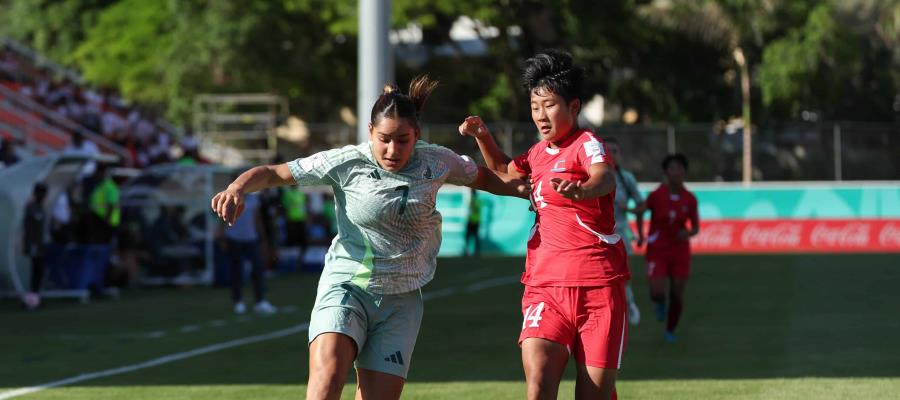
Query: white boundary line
x=157 y=361
x=474 y=287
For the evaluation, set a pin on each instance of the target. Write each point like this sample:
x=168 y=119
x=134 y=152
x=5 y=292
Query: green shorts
x=384 y=327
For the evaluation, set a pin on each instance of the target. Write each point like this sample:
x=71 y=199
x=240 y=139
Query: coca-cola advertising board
x=797 y=236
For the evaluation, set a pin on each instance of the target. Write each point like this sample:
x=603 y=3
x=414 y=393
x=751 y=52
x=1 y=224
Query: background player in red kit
x=671 y=207
x=576 y=267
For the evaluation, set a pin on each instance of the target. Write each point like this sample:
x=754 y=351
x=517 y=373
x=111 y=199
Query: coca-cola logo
x=779 y=235
x=719 y=236
x=855 y=234
x=889 y=235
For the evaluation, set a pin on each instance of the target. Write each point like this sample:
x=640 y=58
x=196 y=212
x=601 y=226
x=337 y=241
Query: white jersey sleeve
x=319 y=168
x=462 y=170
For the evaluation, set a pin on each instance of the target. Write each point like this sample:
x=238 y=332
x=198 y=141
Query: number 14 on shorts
x=533 y=314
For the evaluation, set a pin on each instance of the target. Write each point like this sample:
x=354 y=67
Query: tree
x=53 y=28
x=730 y=25
x=836 y=64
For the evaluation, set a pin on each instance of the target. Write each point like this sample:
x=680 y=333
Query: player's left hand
x=523 y=187
x=571 y=190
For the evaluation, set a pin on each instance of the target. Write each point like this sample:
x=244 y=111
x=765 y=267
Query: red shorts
x=668 y=263
x=589 y=321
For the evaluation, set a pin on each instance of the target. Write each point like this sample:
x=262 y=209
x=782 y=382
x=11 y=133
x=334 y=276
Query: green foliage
x=822 y=64
x=490 y=106
x=670 y=60
x=52 y=27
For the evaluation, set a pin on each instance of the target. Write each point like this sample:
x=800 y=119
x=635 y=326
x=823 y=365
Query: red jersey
x=670 y=212
x=573 y=243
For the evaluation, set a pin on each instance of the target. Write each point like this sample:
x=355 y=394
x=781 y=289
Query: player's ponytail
x=419 y=90
x=395 y=104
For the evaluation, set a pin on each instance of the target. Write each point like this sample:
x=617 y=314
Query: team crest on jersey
x=559 y=166
x=428 y=174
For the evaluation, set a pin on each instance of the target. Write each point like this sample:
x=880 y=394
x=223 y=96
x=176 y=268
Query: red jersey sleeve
x=592 y=151
x=521 y=163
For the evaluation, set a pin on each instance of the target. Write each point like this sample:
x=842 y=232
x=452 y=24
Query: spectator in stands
x=35 y=243
x=242 y=243
x=8 y=155
x=113 y=125
x=189 y=142
x=8 y=66
x=83 y=147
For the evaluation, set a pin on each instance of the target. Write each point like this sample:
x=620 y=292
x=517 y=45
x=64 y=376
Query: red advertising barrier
x=797 y=236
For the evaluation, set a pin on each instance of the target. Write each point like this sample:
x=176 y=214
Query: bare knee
x=542 y=386
x=325 y=385
x=330 y=357
x=544 y=363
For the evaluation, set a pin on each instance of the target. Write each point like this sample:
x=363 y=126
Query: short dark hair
x=396 y=105
x=677 y=157
x=553 y=70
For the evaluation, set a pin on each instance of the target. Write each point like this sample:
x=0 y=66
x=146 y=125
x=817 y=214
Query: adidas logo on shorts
x=395 y=358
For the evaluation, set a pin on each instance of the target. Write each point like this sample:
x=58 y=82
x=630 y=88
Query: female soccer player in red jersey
x=576 y=267
x=672 y=209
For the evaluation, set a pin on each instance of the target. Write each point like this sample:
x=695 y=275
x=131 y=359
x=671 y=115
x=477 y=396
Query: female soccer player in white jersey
x=369 y=304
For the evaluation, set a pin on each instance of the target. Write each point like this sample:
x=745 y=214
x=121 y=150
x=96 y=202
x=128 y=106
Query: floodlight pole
x=373 y=59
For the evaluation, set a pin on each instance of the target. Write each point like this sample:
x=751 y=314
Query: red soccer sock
x=674 y=316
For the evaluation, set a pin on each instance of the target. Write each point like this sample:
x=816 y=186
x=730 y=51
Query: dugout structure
x=58 y=172
x=189 y=258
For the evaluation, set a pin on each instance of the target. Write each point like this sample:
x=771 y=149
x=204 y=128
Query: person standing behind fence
x=242 y=244
x=35 y=244
x=626 y=190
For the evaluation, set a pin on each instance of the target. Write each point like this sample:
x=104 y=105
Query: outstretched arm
x=494 y=158
x=229 y=203
x=500 y=183
x=601 y=181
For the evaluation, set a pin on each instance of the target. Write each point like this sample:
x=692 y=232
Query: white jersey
x=389 y=231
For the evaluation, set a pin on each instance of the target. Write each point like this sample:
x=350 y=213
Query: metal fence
x=781 y=152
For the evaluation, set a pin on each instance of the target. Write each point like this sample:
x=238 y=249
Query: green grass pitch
x=754 y=327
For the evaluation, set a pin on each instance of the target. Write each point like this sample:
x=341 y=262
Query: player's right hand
x=228 y=205
x=473 y=126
